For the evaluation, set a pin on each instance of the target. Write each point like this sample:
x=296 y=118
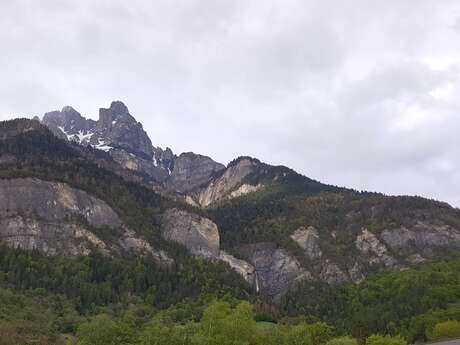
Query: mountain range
x=72 y=186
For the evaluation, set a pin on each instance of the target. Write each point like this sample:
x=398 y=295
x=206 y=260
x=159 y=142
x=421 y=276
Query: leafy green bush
x=223 y=325
x=103 y=330
x=385 y=340
x=342 y=341
x=445 y=330
x=420 y=327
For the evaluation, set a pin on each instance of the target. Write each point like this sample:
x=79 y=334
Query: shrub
x=447 y=329
x=342 y=341
x=385 y=340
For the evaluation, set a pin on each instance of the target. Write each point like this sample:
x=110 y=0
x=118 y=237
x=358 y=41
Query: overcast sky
x=359 y=93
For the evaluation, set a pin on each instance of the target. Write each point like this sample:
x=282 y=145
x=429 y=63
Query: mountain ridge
x=189 y=176
x=273 y=226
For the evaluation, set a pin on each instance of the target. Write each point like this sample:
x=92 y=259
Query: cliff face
x=57 y=219
x=422 y=240
x=198 y=234
x=191 y=171
x=201 y=237
x=276 y=270
x=53 y=201
x=226 y=186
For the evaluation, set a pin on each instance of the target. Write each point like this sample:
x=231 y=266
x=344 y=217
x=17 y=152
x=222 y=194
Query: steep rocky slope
x=57 y=219
x=229 y=184
x=201 y=237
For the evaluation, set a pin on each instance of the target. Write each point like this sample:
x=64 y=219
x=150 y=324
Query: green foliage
x=103 y=330
x=159 y=332
x=342 y=341
x=385 y=340
x=35 y=317
x=298 y=335
x=386 y=303
x=305 y=334
x=445 y=330
x=99 y=280
x=420 y=327
x=223 y=325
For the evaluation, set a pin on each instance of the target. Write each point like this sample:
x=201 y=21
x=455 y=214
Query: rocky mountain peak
x=9 y=129
x=117 y=111
x=67 y=123
x=68 y=109
x=119 y=128
x=244 y=160
x=119 y=108
x=192 y=170
x=123 y=137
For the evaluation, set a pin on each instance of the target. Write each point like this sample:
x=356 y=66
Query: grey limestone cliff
x=228 y=185
x=57 y=219
x=201 y=237
x=275 y=269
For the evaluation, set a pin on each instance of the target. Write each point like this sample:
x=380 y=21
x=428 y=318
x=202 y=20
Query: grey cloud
x=457 y=24
x=362 y=93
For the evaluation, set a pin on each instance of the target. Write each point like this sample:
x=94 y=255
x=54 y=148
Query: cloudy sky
x=359 y=93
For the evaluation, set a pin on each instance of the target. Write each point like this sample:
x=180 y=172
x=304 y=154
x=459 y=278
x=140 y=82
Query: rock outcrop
x=369 y=245
x=308 y=240
x=54 y=202
x=331 y=273
x=227 y=185
x=69 y=124
x=242 y=267
x=199 y=235
x=191 y=171
x=119 y=129
x=57 y=219
x=276 y=271
x=50 y=238
x=423 y=239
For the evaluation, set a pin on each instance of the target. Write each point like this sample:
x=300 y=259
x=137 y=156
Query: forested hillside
x=97 y=301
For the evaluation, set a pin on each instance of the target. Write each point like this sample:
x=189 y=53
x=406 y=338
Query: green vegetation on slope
x=35 y=317
x=39 y=318
x=97 y=280
x=409 y=302
x=274 y=213
x=45 y=298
